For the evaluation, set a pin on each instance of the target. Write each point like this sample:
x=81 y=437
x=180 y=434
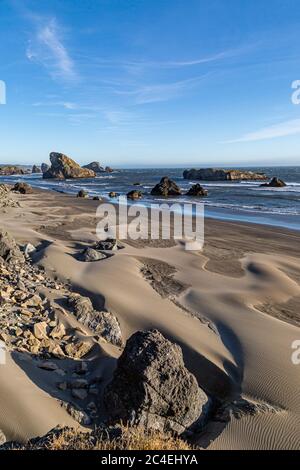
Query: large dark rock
x=45 y=167
x=134 y=195
x=151 y=386
x=9 y=250
x=275 y=183
x=90 y=255
x=166 y=187
x=7 y=170
x=82 y=194
x=36 y=169
x=64 y=167
x=22 y=188
x=94 y=166
x=197 y=191
x=108 y=169
x=219 y=174
x=104 y=324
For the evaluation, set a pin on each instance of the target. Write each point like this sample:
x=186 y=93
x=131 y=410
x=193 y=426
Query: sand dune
x=234 y=349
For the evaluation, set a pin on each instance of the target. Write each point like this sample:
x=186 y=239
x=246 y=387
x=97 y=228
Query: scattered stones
x=82 y=194
x=79 y=383
x=197 y=191
x=152 y=388
x=89 y=255
x=22 y=188
x=63 y=167
x=134 y=195
x=58 y=331
x=165 y=188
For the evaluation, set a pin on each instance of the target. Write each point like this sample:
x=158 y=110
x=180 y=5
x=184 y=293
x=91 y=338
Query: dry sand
x=233 y=308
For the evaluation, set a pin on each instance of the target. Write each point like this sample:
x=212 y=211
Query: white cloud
x=47 y=48
x=291 y=127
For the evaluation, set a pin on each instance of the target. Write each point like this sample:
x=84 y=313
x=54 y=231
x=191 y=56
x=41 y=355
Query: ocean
x=241 y=201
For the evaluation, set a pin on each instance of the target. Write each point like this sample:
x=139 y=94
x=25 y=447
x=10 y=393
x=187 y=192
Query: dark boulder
x=220 y=174
x=152 y=388
x=166 y=187
x=134 y=195
x=45 y=167
x=7 y=170
x=275 y=183
x=113 y=194
x=82 y=194
x=22 y=188
x=197 y=191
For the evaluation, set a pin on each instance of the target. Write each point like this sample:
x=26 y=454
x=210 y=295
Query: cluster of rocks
x=166 y=187
x=22 y=188
x=220 y=174
x=99 y=250
x=8 y=170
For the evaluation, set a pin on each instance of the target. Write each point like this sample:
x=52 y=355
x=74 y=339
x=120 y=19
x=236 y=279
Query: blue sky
x=150 y=82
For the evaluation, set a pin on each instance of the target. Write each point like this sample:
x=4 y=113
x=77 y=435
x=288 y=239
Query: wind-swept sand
x=234 y=310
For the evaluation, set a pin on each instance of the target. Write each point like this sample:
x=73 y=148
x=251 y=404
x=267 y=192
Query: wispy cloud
x=47 y=47
x=160 y=92
x=65 y=104
x=286 y=128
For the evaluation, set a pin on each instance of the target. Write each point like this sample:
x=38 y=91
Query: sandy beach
x=233 y=308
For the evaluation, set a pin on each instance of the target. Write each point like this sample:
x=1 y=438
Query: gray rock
x=9 y=250
x=89 y=255
x=151 y=386
x=165 y=188
x=110 y=244
x=104 y=324
x=36 y=169
x=95 y=166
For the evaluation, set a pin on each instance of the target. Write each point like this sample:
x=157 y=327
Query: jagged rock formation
x=219 y=174
x=152 y=388
x=63 y=167
x=275 y=183
x=165 y=188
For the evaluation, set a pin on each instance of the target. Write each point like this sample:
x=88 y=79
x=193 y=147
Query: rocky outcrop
x=134 y=195
x=108 y=169
x=219 y=174
x=104 y=324
x=197 y=191
x=22 y=188
x=36 y=169
x=63 y=167
x=89 y=255
x=94 y=166
x=45 y=167
x=275 y=183
x=110 y=244
x=7 y=170
x=152 y=388
x=165 y=188
x=9 y=250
